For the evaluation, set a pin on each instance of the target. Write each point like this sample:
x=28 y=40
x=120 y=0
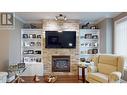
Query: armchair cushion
x=92 y=69
x=106 y=69
x=115 y=77
x=99 y=77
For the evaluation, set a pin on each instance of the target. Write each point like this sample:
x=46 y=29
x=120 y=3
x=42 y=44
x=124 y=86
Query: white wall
x=106 y=31
x=15 y=43
x=109 y=35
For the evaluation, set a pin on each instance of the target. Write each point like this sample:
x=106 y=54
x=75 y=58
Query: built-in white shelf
x=32 y=52
x=31 y=46
x=89 y=43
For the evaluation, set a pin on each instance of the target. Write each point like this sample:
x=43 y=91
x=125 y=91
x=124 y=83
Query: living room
x=62 y=47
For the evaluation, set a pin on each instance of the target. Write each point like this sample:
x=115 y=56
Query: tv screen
x=64 y=39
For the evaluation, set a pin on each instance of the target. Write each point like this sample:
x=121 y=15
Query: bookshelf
x=89 y=43
x=31 y=46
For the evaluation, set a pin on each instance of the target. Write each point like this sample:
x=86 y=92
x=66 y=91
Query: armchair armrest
x=115 y=77
x=92 y=69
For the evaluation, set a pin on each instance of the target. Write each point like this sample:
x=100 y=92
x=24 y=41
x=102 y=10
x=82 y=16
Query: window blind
x=120 y=38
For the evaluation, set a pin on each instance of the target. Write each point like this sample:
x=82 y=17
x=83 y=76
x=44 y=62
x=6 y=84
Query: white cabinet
x=33 y=69
x=31 y=51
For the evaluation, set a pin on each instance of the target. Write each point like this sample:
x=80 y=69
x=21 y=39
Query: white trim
x=119 y=20
x=18 y=18
x=35 y=21
x=98 y=21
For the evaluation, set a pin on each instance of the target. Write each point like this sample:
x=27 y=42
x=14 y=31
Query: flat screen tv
x=64 y=39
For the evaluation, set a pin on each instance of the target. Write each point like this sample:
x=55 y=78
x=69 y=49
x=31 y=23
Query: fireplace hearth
x=60 y=63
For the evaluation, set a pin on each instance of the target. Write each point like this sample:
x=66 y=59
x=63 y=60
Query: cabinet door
x=33 y=69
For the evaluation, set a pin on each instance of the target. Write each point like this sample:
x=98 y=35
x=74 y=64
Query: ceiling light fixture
x=60 y=19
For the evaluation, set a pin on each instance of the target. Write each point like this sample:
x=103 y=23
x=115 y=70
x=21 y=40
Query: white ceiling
x=82 y=16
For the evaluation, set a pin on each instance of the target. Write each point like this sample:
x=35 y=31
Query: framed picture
x=38 y=43
x=34 y=36
x=26 y=59
x=37 y=52
x=39 y=36
x=30 y=51
x=90 y=51
x=30 y=35
x=32 y=43
x=94 y=36
x=6 y=18
x=82 y=44
x=87 y=44
x=26 y=44
x=93 y=27
x=38 y=59
x=25 y=35
x=95 y=51
x=88 y=36
x=95 y=44
x=25 y=52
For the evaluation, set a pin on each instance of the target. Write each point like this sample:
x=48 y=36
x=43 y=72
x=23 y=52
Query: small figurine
x=36 y=78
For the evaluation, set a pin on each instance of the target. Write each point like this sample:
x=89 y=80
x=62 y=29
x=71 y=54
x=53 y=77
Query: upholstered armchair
x=3 y=77
x=107 y=69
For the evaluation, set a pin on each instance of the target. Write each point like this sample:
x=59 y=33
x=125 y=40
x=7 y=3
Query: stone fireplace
x=60 y=63
x=60 y=67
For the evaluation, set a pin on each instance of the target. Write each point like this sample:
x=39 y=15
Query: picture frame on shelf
x=32 y=43
x=26 y=44
x=88 y=36
x=38 y=52
x=90 y=51
x=39 y=36
x=38 y=43
x=30 y=35
x=93 y=27
x=33 y=59
x=25 y=35
x=26 y=59
x=38 y=59
x=88 y=44
x=33 y=35
x=30 y=51
x=95 y=51
x=94 y=36
x=25 y=52
x=83 y=52
x=82 y=44
x=95 y=44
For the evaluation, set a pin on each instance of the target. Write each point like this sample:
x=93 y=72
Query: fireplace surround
x=70 y=25
x=60 y=63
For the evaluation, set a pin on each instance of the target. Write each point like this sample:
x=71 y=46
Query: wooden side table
x=83 y=73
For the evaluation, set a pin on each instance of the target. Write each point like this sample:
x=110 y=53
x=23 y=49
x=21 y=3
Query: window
x=120 y=38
